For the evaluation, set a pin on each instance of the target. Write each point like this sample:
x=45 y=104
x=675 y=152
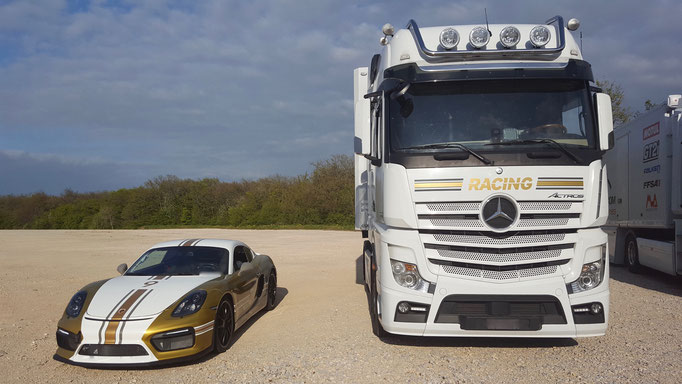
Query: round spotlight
x=573 y=24
x=540 y=36
x=510 y=36
x=479 y=37
x=595 y=308
x=398 y=268
x=449 y=38
x=388 y=29
x=403 y=307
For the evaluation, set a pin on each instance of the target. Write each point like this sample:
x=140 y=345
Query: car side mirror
x=245 y=267
x=122 y=268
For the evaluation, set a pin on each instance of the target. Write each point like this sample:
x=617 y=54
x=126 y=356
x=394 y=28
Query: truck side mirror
x=362 y=127
x=602 y=102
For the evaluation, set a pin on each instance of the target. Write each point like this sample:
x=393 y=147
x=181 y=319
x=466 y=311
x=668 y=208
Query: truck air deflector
x=499 y=54
x=412 y=73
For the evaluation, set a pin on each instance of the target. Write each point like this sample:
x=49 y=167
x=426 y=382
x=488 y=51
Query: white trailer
x=645 y=198
x=479 y=180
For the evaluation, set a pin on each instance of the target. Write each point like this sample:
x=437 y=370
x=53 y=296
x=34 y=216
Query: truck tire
x=632 y=254
x=377 y=329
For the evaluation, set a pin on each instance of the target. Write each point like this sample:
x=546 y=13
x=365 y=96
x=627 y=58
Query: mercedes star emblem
x=499 y=212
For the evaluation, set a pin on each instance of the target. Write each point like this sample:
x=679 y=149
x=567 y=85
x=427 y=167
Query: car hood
x=138 y=297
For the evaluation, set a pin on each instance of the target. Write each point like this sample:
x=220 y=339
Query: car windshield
x=173 y=261
x=481 y=113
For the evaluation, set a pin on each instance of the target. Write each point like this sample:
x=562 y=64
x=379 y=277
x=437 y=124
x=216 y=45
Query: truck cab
x=479 y=180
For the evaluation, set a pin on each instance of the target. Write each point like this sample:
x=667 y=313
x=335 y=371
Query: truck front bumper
x=512 y=310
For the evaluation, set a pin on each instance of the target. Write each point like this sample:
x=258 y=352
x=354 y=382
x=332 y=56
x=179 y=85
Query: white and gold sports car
x=179 y=300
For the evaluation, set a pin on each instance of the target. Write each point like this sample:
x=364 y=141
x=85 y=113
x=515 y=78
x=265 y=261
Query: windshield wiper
x=463 y=147
x=541 y=141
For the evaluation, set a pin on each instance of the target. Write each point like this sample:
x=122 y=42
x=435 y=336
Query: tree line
x=321 y=198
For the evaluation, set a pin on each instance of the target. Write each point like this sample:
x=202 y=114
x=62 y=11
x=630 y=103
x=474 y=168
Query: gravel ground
x=320 y=331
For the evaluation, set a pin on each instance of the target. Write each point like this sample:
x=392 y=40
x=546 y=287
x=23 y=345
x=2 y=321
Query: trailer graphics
x=645 y=202
x=480 y=187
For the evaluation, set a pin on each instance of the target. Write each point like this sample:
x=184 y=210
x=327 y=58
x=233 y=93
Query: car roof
x=219 y=243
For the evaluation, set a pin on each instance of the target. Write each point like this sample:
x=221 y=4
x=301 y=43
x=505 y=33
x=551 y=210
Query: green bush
x=322 y=198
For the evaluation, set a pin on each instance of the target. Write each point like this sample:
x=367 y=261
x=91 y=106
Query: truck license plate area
x=500 y=324
x=501 y=312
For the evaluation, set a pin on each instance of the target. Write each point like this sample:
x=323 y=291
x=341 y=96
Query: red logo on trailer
x=651 y=203
x=651 y=131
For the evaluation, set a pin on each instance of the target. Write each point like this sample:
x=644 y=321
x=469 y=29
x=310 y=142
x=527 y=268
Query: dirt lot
x=320 y=330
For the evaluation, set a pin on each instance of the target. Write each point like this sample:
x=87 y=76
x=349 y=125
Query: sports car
x=179 y=300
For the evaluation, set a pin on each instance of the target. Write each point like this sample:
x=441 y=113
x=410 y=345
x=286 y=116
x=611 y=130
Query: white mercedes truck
x=479 y=180
x=645 y=193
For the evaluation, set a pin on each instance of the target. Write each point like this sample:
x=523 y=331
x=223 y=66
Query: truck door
x=618 y=177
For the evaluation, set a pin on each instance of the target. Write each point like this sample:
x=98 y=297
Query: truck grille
x=500 y=258
x=475 y=206
x=466 y=214
x=500 y=275
x=474 y=238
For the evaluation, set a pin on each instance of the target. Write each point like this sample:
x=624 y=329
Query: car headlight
x=76 y=304
x=407 y=275
x=190 y=304
x=591 y=275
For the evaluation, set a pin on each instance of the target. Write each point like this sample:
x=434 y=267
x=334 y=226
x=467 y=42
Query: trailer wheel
x=632 y=255
x=377 y=329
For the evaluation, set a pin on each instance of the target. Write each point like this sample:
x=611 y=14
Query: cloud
x=234 y=89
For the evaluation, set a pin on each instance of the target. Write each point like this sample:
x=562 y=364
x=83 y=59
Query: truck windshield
x=484 y=112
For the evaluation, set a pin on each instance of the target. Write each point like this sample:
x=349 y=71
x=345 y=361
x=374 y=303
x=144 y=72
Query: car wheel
x=377 y=329
x=632 y=255
x=272 y=291
x=223 y=328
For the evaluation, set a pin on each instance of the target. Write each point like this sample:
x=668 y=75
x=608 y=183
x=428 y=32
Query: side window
x=239 y=257
x=249 y=254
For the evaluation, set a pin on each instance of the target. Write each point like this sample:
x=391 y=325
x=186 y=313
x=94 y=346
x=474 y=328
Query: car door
x=245 y=282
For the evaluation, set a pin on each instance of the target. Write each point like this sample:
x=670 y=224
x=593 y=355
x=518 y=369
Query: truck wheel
x=377 y=329
x=632 y=255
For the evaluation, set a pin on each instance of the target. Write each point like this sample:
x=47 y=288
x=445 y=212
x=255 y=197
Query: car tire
x=377 y=329
x=272 y=291
x=223 y=327
x=632 y=254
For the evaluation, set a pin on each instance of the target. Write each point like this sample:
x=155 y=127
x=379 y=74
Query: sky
x=101 y=95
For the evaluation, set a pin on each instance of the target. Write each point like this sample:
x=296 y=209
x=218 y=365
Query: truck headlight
x=591 y=275
x=407 y=275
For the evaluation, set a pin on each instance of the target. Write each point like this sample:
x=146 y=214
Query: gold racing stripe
x=110 y=333
x=438 y=185
x=99 y=334
x=560 y=183
x=130 y=313
x=188 y=243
